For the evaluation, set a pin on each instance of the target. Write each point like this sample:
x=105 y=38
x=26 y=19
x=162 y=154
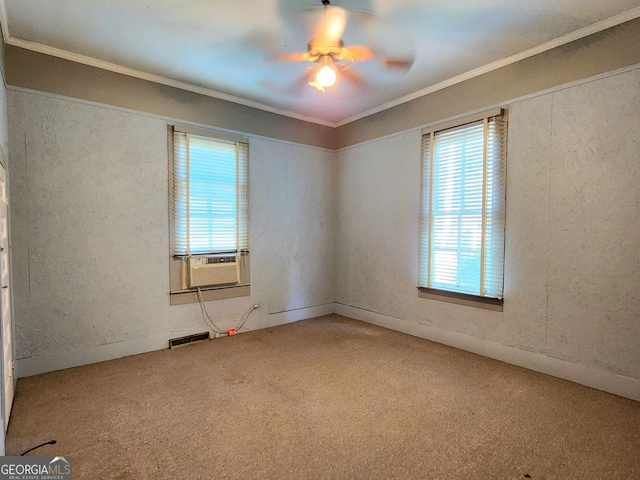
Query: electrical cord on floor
x=211 y=324
x=50 y=442
x=246 y=317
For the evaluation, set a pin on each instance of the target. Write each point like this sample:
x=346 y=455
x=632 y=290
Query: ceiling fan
x=332 y=57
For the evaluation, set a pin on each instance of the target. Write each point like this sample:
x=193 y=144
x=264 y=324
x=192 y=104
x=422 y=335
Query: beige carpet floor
x=328 y=398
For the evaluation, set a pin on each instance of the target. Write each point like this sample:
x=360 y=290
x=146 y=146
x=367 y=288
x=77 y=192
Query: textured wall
x=572 y=265
x=90 y=227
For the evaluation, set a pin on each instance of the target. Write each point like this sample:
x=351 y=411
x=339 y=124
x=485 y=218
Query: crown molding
x=557 y=42
x=131 y=72
x=151 y=77
x=502 y=104
x=74 y=57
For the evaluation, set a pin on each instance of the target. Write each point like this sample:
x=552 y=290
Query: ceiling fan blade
x=363 y=17
x=360 y=53
x=398 y=64
x=329 y=30
x=352 y=75
x=288 y=57
x=391 y=45
x=295 y=88
x=299 y=84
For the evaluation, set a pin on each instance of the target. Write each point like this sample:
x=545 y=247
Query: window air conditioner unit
x=203 y=271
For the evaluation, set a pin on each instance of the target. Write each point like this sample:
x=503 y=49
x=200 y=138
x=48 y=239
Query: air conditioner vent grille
x=202 y=273
x=213 y=260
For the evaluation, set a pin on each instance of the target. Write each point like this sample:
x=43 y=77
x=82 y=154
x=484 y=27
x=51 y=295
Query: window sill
x=221 y=293
x=486 y=303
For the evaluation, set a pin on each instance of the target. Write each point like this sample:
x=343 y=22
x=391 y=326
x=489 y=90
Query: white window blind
x=463 y=209
x=210 y=188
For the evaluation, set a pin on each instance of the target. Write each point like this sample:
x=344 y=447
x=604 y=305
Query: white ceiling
x=219 y=45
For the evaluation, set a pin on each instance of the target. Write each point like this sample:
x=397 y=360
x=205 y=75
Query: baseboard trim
x=27 y=367
x=290 y=316
x=591 y=377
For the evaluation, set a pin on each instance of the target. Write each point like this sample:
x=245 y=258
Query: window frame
x=179 y=293
x=436 y=293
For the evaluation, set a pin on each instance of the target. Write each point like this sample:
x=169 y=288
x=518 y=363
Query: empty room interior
x=347 y=239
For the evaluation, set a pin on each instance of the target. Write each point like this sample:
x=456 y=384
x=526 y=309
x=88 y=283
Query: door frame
x=4 y=177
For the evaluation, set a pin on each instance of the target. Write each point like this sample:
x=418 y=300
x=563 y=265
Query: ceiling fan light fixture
x=326 y=76
x=327 y=50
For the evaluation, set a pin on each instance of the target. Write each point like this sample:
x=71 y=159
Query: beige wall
x=45 y=73
x=602 y=52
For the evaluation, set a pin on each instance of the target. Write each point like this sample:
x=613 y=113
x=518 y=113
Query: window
x=463 y=209
x=209 y=199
